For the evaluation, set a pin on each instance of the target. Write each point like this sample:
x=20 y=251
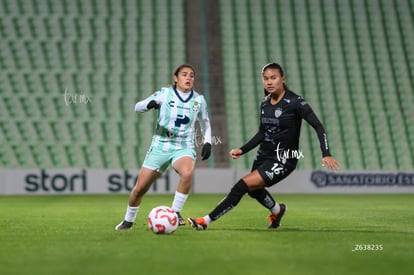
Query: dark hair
x=276 y=66
x=179 y=68
x=273 y=65
x=182 y=66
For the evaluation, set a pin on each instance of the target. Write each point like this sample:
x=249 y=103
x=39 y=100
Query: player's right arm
x=252 y=143
x=151 y=102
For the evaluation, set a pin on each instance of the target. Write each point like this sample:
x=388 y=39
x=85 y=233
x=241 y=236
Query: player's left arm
x=309 y=115
x=204 y=120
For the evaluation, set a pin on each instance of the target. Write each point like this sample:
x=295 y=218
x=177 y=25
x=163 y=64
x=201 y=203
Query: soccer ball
x=162 y=220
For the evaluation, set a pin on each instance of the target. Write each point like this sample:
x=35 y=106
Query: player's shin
x=264 y=198
x=230 y=201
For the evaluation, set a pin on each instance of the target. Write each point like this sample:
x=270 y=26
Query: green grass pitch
x=75 y=235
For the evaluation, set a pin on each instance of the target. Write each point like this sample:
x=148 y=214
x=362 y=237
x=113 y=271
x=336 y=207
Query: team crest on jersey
x=195 y=106
x=278 y=112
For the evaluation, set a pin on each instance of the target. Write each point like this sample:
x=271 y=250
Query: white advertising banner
x=75 y=181
x=107 y=181
x=346 y=182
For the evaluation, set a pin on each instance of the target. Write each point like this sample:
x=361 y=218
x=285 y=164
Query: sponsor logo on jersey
x=270 y=120
x=171 y=103
x=181 y=120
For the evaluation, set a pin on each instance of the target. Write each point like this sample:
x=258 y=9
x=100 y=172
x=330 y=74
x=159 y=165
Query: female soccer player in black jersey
x=281 y=114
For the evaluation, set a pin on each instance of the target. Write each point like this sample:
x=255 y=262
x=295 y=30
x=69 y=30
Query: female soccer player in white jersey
x=281 y=114
x=178 y=108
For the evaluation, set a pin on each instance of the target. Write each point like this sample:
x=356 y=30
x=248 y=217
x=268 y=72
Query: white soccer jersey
x=176 y=119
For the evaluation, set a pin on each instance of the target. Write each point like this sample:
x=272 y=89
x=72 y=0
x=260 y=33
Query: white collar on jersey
x=183 y=96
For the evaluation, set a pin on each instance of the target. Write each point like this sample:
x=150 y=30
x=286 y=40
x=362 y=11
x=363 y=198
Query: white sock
x=131 y=213
x=179 y=200
x=207 y=219
x=276 y=209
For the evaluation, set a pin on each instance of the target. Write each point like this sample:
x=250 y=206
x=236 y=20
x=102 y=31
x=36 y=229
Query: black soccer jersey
x=280 y=126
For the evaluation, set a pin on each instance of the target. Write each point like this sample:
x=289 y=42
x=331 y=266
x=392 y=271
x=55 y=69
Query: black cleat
x=198 y=223
x=181 y=220
x=275 y=220
x=124 y=225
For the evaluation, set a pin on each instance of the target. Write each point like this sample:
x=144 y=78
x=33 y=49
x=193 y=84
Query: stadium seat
x=335 y=55
x=345 y=74
x=77 y=65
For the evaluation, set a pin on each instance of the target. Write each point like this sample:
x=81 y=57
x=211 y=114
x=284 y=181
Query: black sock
x=263 y=197
x=230 y=201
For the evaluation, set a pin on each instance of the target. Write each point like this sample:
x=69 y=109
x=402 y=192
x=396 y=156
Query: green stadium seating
x=352 y=61
x=114 y=52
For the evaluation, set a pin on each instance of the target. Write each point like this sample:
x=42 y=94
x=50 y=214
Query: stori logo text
x=78 y=182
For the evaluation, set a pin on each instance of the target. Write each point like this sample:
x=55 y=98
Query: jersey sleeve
x=256 y=139
x=203 y=118
x=306 y=112
x=253 y=142
x=141 y=106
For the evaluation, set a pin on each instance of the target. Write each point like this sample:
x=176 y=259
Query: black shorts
x=273 y=170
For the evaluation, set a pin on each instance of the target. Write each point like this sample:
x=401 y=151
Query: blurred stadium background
x=71 y=72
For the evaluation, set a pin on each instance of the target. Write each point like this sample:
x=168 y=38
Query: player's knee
x=186 y=178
